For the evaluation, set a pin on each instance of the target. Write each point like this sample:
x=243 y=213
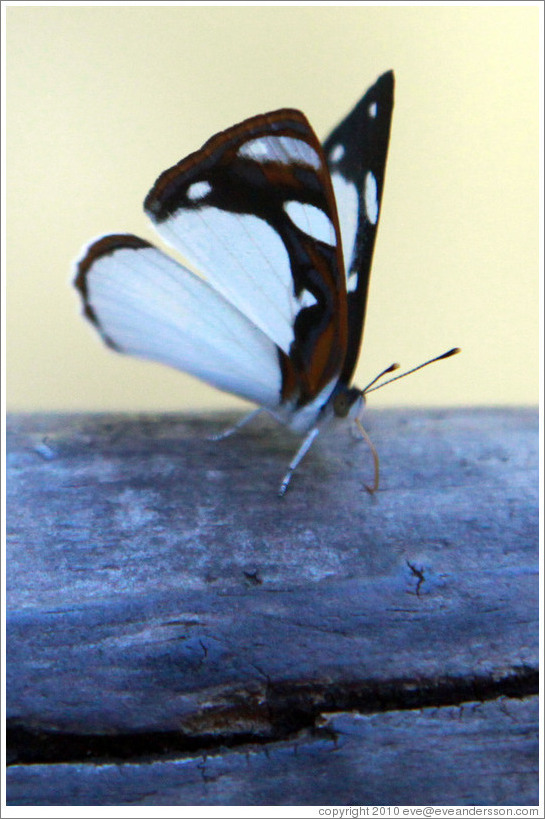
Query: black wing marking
x=254 y=211
x=356 y=151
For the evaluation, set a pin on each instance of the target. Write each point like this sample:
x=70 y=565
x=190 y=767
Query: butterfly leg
x=299 y=455
x=374 y=453
x=243 y=421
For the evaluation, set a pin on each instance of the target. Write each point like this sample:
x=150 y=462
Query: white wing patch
x=151 y=306
x=312 y=221
x=346 y=197
x=372 y=110
x=243 y=258
x=280 y=149
x=352 y=282
x=198 y=190
x=337 y=153
x=371 y=197
x=307 y=299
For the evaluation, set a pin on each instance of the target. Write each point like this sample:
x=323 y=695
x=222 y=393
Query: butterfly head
x=348 y=403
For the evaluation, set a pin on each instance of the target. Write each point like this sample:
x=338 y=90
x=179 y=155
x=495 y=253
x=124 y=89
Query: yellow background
x=101 y=99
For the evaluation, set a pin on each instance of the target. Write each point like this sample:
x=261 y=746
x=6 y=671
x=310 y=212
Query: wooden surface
x=179 y=635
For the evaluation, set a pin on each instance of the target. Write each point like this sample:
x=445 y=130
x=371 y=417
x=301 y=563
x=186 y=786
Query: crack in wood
x=288 y=709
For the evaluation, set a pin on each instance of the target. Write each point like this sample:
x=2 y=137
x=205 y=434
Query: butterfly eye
x=344 y=403
x=341 y=405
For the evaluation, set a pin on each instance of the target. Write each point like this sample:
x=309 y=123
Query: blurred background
x=101 y=99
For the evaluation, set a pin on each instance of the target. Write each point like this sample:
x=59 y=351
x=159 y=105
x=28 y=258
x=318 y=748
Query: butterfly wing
x=356 y=153
x=254 y=212
x=146 y=304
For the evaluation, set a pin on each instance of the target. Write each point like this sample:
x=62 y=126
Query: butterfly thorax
x=338 y=402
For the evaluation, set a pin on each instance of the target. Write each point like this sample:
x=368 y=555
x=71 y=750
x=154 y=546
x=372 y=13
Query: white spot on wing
x=257 y=149
x=198 y=190
x=307 y=299
x=352 y=283
x=312 y=221
x=280 y=149
x=371 y=198
x=372 y=110
x=337 y=153
x=346 y=196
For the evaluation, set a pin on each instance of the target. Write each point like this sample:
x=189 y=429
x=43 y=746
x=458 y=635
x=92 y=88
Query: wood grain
x=164 y=605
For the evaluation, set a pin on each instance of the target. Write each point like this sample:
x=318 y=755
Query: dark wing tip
x=383 y=88
x=387 y=77
x=104 y=246
x=384 y=84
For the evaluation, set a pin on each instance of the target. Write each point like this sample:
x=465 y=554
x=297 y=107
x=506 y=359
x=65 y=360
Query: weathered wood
x=162 y=599
x=476 y=754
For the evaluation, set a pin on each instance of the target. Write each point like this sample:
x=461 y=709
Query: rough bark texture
x=179 y=635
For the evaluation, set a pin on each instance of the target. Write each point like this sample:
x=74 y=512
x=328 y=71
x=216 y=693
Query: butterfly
x=277 y=232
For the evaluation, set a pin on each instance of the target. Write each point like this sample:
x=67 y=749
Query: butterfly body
x=277 y=233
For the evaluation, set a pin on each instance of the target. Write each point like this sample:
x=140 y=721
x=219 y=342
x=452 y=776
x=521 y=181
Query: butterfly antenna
x=370 y=388
x=448 y=354
x=389 y=369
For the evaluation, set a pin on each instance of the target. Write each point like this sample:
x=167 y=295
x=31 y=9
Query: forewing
x=356 y=153
x=146 y=304
x=253 y=212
